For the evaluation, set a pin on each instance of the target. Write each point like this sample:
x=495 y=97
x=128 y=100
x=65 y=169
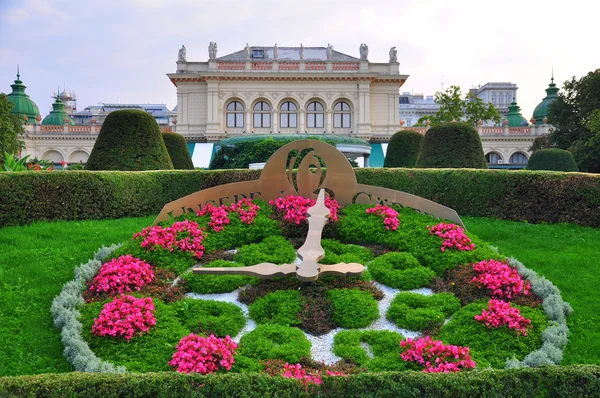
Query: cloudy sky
x=120 y=50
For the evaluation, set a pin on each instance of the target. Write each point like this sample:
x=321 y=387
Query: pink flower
x=435 y=357
x=453 y=236
x=203 y=354
x=185 y=236
x=125 y=316
x=389 y=215
x=500 y=278
x=219 y=216
x=500 y=313
x=122 y=274
x=296 y=207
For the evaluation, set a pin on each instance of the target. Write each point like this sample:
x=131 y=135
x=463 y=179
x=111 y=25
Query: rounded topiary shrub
x=281 y=307
x=271 y=341
x=178 y=151
x=129 y=140
x=403 y=149
x=552 y=159
x=400 y=270
x=353 y=308
x=415 y=311
x=452 y=145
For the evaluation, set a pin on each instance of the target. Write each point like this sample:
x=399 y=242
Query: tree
x=11 y=126
x=576 y=122
x=178 y=151
x=454 y=106
x=403 y=149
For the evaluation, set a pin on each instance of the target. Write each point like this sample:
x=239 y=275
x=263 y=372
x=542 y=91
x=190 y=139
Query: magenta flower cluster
x=296 y=207
x=185 y=236
x=501 y=279
x=125 y=316
x=452 y=235
x=314 y=377
x=122 y=274
x=219 y=216
x=500 y=313
x=389 y=215
x=435 y=356
x=203 y=355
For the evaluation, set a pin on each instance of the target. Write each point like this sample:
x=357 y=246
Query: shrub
x=452 y=145
x=184 y=236
x=500 y=313
x=129 y=140
x=178 y=151
x=353 y=308
x=552 y=159
x=125 y=316
x=337 y=252
x=275 y=342
x=280 y=307
x=500 y=279
x=384 y=345
x=415 y=311
x=208 y=317
x=400 y=271
x=209 y=284
x=122 y=274
x=493 y=347
x=203 y=355
x=274 y=249
x=403 y=149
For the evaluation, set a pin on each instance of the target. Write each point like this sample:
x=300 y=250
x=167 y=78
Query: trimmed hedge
x=533 y=196
x=555 y=381
x=178 y=151
x=552 y=159
x=455 y=145
x=403 y=149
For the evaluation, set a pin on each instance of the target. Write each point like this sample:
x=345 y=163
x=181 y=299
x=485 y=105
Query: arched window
x=315 y=116
x=235 y=114
x=341 y=116
x=493 y=158
x=288 y=116
x=262 y=115
x=518 y=158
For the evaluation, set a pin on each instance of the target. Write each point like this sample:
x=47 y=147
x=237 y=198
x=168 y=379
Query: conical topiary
x=552 y=159
x=178 y=151
x=452 y=145
x=129 y=140
x=403 y=149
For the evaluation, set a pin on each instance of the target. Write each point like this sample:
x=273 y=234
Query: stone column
x=301 y=121
x=248 y=123
x=274 y=120
x=212 y=105
x=366 y=159
x=364 y=107
x=329 y=121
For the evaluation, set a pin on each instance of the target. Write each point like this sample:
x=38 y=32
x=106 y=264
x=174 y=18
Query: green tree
x=10 y=128
x=575 y=118
x=454 y=106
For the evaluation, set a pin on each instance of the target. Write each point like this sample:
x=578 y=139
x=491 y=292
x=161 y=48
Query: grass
x=36 y=260
x=569 y=256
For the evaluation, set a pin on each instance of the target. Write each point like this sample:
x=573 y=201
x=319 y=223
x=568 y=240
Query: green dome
x=337 y=139
x=58 y=114
x=514 y=117
x=22 y=104
x=541 y=111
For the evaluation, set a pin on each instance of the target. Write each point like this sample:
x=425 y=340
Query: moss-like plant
x=353 y=308
x=384 y=347
x=209 y=284
x=492 y=347
x=208 y=317
x=400 y=271
x=415 y=311
x=281 y=307
x=337 y=252
x=275 y=342
x=274 y=249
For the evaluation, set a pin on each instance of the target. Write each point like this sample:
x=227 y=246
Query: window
x=518 y=158
x=260 y=54
x=288 y=116
x=235 y=114
x=262 y=115
x=341 y=116
x=315 y=116
x=493 y=158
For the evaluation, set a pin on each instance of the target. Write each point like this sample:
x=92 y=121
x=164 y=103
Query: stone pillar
x=302 y=66
x=329 y=66
x=184 y=110
x=212 y=65
x=275 y=66
x=363 y=66
x=394 y=68
x=248 y=123
x=366 y=159
x=329 y=120
x=364 y=107
x=301 y=121
x=274 y=121
x=248 y=66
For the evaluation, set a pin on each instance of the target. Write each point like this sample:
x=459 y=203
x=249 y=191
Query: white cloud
x=31 y=9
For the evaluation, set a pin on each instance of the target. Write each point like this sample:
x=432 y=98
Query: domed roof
x=57 y=115
x=22 y=104
x=64 y=96
x=541 y=111
x=514 y=117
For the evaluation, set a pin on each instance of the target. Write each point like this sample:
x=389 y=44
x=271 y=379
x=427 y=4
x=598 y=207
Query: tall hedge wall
x=534 y=196
x=552 y=381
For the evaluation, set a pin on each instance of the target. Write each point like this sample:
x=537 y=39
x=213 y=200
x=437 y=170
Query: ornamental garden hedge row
x=535 y=197
x=554 y=381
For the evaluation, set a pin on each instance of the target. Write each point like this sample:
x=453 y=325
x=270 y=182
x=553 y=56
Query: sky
x=121 y=50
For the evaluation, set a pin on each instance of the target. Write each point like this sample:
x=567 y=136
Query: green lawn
x=569 y=256
x=36 y=260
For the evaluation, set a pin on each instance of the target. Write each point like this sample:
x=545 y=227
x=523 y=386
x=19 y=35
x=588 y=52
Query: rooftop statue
x=393 y=55
x=181 y=56
x=275 y=52
x=329 y=52
x=212 y=50
x=364 y=52
x=301 y=51
x=247 y=50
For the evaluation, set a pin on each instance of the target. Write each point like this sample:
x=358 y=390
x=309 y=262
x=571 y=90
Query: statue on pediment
x=364 y=52
x=393 y=55
x=275 y=52
x=247 y=52
x=301 y=51
x=181 y=56
x=329 y=52
x=212 y=50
